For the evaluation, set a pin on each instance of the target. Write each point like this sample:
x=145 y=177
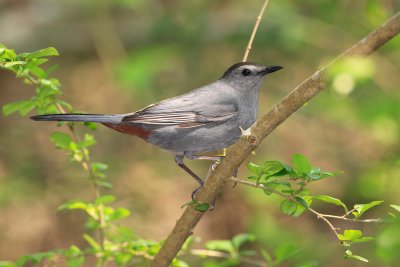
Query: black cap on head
x=260 y=69
x=238 y=65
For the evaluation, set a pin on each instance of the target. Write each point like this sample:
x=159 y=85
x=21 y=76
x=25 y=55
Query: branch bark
x=261 y=129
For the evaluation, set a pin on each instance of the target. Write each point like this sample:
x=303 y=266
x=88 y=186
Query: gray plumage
x=206 y=119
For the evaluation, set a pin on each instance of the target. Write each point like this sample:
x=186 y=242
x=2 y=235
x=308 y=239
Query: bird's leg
x=179 y=161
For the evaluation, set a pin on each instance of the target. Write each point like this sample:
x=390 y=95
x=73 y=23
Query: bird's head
x=247 y=75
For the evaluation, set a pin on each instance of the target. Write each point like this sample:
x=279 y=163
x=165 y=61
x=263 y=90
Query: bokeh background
x=118 y=56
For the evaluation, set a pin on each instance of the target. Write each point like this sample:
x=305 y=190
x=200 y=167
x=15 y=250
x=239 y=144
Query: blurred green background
x=119 y=56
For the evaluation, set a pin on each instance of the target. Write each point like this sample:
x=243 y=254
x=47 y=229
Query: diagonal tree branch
x=261 y=129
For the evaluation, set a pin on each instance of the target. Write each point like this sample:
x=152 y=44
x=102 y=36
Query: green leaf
x=13 y=63
x=47 y=52
x=103 y=183
x=350 y=255
x=351 y=235
x=221 y=245
x=123 y=258
x=331 y=200
x=119 y=214
x=105 y=199
x=266 y=256
x=99 y=166
x=202 y=207
x=17 y=106
x=285 y=251
x=87 y=141
x=288 y=207
x=254 y=168
x=7 y=264
x=362 y=208
x=317 y=174
x=92 y=242
x=240 y=239
x=61 y=140
x=396 y=207
x=302 y=202
x=7 y=54
x=90 y=125
x=74 y=257
x=354 y=236
x=73 y=204
x=38 y=72
x=301 y=164
x=270 y=168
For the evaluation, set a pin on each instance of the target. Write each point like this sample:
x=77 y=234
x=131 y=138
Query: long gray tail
x=80 y=117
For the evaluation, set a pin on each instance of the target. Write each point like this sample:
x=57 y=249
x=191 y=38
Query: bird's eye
x=246 y=72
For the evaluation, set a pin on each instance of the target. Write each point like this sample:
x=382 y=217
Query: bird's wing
x=183 y=113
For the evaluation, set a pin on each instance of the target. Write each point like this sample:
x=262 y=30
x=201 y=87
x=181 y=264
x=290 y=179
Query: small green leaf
x=74 y=257
x=47 y=52
x=90 y=125
x=301 y=164
x=123 y=258
x=87 y=141
x=105 y=199
x=396 y=207
x=17 y=106
x=103 y=183
x=302 y=202
x=266 y=256
x=61 y=140
x=38 y=72
x=8 y=54
x=13 y=63
x=191 y=202
x=254 y=168
x=350 y=255
x=352 y=234
x=99 y=166
x=73 y=204
x=202 y=207
x=220 y=245
x=331 y=200
x=7 y=264
x=270 y=168
x=288 y=207
x=285 y=251
x=362 y=208
x=240 y=239
x=119 y=214
x=91 y=242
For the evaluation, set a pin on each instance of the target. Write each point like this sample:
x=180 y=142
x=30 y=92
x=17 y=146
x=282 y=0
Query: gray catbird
x=206 y=119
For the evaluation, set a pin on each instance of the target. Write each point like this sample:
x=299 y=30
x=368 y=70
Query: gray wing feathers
x=184 y=119
x=196 y=108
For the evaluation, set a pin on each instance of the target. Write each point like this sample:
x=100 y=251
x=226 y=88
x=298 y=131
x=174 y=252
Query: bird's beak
x=271 y=69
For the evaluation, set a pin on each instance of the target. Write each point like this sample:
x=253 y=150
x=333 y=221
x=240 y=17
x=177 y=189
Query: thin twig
x=253 y=33
x=378 y=220
x=318 y=214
